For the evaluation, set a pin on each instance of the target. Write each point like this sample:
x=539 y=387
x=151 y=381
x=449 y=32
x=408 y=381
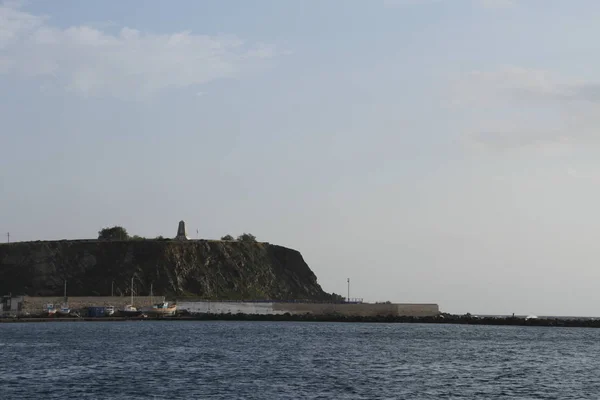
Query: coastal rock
x=195 y=268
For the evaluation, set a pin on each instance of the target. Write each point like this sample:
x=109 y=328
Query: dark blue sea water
x=287 y=360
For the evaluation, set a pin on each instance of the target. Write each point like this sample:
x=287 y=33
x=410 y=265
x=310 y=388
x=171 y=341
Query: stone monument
x=181 y=235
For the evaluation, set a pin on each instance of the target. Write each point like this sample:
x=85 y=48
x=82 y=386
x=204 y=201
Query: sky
x=438 y=151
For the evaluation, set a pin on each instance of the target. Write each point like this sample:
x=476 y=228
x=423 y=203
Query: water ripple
x=269 y=360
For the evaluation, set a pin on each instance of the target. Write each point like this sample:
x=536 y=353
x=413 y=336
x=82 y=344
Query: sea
x=295 y=360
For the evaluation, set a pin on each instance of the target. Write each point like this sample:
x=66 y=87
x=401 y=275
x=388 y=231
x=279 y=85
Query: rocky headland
x=206 y=269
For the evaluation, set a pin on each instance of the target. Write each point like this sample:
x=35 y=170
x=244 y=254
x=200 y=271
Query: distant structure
x=181 y=235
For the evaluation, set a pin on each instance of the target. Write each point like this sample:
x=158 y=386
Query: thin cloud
x=532 y=85
x=518 y=107
x=496 y=3
x=480 y=3
x=402 y=3
x=89 y=61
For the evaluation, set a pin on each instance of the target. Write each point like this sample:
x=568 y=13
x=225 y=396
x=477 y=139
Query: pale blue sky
x=431 y=150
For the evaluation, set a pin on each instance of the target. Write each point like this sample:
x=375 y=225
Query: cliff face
x=207 y=269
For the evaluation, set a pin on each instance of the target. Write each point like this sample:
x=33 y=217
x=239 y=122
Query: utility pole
x=348 y=298
x=112 y=286
x=7 y=237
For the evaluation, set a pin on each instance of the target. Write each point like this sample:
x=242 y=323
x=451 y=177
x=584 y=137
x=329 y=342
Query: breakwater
x=303 y=308
x=446 y=319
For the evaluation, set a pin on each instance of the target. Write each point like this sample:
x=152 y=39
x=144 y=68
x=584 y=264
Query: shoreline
x=442 y=319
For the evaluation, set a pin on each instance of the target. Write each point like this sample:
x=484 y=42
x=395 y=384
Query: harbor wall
x=418 y=310
x=361 y=309
x=218 y=307
x=273 y=308
x=35 y=305
x=32 y=305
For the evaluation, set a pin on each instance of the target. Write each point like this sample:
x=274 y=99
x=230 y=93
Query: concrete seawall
x=225 y=307
x=365 y=310
x=276 y=308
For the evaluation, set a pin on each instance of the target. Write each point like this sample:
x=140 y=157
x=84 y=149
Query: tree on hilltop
x=247 y=237
x=114 y=233
x=227 y=237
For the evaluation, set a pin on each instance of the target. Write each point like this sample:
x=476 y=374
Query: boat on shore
x=130 y=311
x=63 y=311
x=160 y=309
x=49 y=309
x=54 y=310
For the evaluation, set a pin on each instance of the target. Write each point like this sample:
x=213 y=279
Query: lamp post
x=348 y=298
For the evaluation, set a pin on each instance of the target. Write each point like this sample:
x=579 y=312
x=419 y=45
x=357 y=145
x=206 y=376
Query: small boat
x=160 y=309
x=130 y=311
x=49 y=308
x=64 y=310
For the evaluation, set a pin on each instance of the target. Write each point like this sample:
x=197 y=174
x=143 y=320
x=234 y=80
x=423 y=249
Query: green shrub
x=114 y=233
x=247 y=237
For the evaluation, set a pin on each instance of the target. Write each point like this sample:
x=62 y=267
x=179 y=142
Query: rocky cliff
x=206 y=269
